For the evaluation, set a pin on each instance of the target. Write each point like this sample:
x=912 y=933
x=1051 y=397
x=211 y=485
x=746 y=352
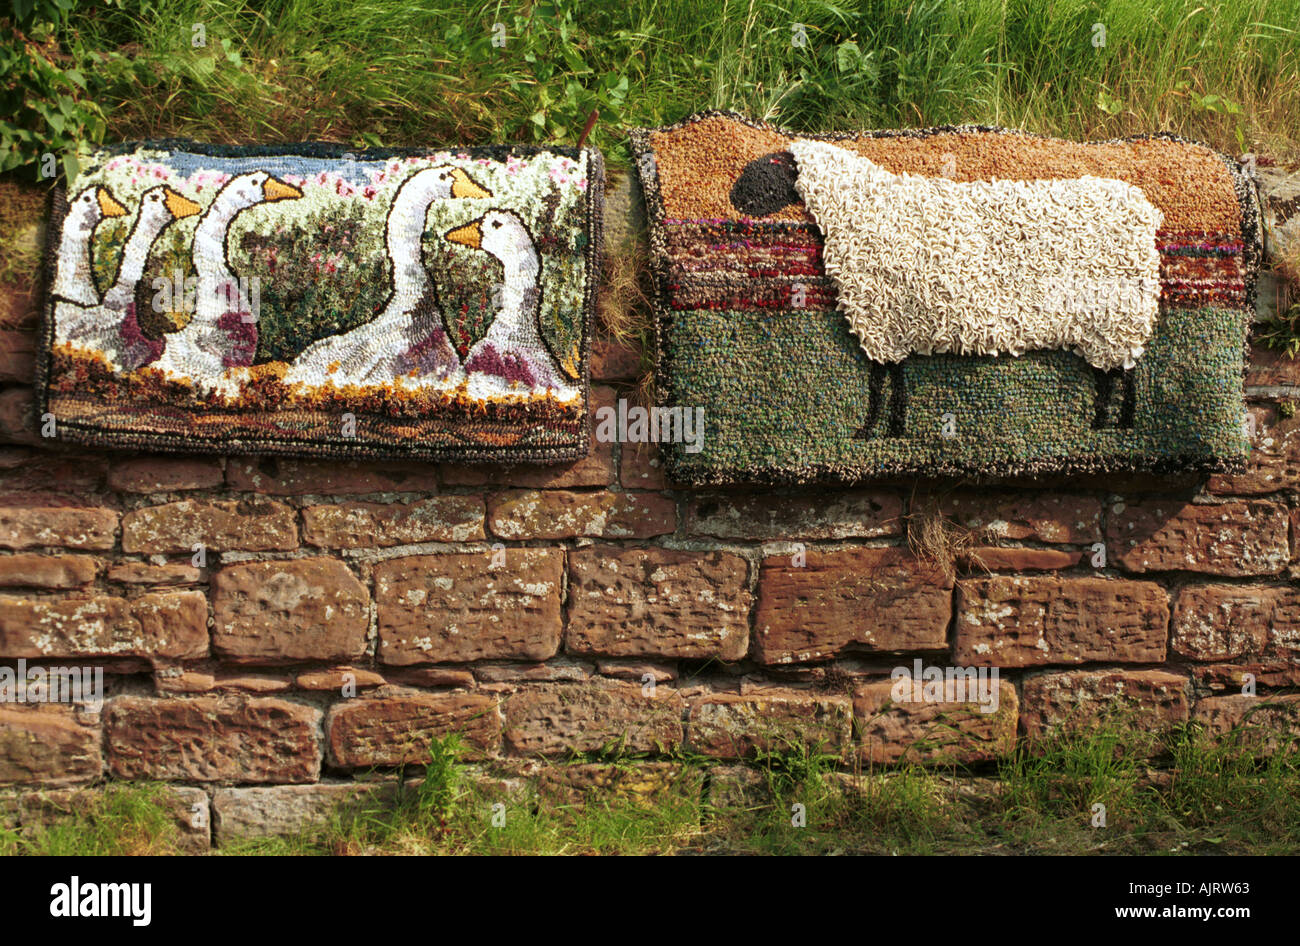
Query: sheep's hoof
x=868 y=432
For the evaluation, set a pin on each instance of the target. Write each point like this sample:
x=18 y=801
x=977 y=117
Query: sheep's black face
x=766 y=185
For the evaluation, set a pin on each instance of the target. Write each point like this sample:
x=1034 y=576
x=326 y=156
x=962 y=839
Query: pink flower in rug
x=508 y=366
x=240 y=343
x=137 y=349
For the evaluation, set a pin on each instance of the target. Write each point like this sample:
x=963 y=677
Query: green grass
x=1180 y=793
x=1209 y=797
x=123 y=819
x=373 y=72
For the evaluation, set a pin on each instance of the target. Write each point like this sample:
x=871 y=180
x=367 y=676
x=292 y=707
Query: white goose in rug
x=99 y=327
x=407 y=339
x=512 y=353
x=201 y=352
x=74 y=280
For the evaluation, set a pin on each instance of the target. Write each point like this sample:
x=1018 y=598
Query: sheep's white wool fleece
x=931 y=265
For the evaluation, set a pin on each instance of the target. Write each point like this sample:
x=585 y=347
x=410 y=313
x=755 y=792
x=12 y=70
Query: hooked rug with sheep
x=946 y=301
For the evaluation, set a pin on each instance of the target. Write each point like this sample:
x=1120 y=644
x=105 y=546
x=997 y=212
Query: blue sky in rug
x=355 y=172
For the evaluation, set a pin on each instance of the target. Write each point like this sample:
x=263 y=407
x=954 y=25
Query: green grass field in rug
x=784 y=393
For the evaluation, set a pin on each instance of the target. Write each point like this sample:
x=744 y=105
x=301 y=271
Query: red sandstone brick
x=640 y=671
x=1256 y=629
x=29 y=470
x=944 y=722
x=995 y=559
x=850 y=514
x=641 y=466
x=1026 y=622
x=1274 y=463
x=280 y=476
x=1044 y=518
x=1142 y=700
x=394 y=727
x=657 y=602
x=614 y=361
x=361 y=525
x=1270 y=368
x=17 y=356
x=73 y=527
x=49 y=744
x=17 y=417
x=739 y=726
x=171 y=625
x=851 y=600
x=555 y=718
x=337 y=678
x=555 y=670
x=140 y=573
x=430 y=677
x=164 y=474
x=459 y=607
x=29 y=570
x=303 y=609
x=252 y=525
x=1244 y=538
x=559 y=514
x=18 y=307
x=1264 y=723
x=213 y=739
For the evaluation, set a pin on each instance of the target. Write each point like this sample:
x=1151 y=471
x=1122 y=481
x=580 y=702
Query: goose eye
x=496 y=224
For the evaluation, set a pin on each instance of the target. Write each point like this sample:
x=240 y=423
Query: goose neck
x=135 y=256
x=520 y=277
x=405 y=239
x=210 y=240
x=74 y=258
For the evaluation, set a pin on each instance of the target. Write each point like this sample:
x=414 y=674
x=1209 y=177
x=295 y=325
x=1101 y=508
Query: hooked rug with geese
x=311 y=300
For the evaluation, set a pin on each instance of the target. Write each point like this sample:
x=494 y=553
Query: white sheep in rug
x=930 y=265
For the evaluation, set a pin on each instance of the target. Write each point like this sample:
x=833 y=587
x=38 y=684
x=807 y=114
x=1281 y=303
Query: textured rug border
x=74 y=432
x=648 y=172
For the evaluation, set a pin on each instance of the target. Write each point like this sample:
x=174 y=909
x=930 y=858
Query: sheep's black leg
x=875 y=386
x=1129 y=407
x=897 y=399
x=1104 y=381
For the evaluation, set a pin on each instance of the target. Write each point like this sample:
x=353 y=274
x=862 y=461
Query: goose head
x=161 y=205
x=424 y=187
x=247 y=190
x=446 y=182
x=92 y=205
x=500 y=233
